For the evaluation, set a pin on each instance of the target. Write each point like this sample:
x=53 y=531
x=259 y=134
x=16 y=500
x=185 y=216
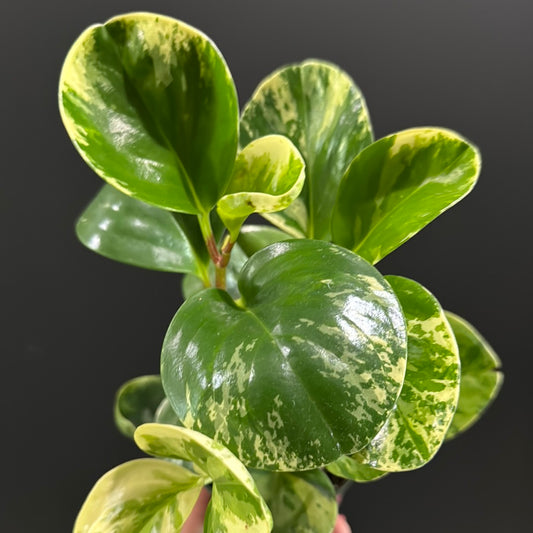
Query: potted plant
x=293 y=365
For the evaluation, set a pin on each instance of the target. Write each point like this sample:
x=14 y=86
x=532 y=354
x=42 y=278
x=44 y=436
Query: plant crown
x=293 y=362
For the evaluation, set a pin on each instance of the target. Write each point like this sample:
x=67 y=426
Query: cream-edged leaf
x=422 y=415
x=144 y=495
x=399 y=184
x=322 y=111
x=236 y=505
x=150 y=105
x=268 y=176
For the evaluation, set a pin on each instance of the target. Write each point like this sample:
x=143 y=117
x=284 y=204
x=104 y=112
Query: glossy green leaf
x=150 y=105
x=253 y=238
x=141 y=496
x=136 y=403
x=480 y=376
x=321 y=110
x=300 y=502
x=267 y=177
x=164 y=414
x=236 y=505
x=305 y=369
x=418 y=424
x=348 y=468
x=130 y=231
x=398 y=185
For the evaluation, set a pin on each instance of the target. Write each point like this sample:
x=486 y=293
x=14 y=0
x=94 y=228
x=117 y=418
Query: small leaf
x=397 y=185
x=150 y=105
x=321 y=110
x=305 y=369
x=348 y=468
x=130 y=231
x=267 y=177
x=136 y=403
x=165 y=414
x=300 y=502
x=418 y=424
x=236 y=504
x=253 y=238
x=480 y=376
x=144 y=495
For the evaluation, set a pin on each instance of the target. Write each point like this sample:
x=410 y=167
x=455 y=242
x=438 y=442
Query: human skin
x=195 y=522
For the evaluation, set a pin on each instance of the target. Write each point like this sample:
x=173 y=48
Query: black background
x=75 y=325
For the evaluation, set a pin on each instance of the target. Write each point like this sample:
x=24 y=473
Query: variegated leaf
x=253 y=238
x=418 y=424
x=300 y=502
x=268 y=176
x=236 y=505
x=136 y=403
x=348 y=468
x=150 y=105
x=141 y=496
x=316 y=373
x=130 y=231
x=480 y=376
x=397 y=185
x=321 y=110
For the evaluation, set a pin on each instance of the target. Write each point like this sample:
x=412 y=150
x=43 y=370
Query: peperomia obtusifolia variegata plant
x=293 y=364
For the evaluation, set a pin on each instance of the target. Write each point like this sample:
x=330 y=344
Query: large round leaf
x=305 y=369
x=150 y=105
x=268 y=176
x=236 y=505
x=137 y=402
x=321 y=110
x=128 y=230
x=300 y=502
x=480 y=376
x=141 y=496
x=397 y=185
x=418 y=424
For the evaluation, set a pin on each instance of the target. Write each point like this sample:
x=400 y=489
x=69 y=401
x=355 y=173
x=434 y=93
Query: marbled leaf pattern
x=418 y=423
x=236 y=505
x=323 y=112
x=300 y=502
x=150 y=105
x=305 y=370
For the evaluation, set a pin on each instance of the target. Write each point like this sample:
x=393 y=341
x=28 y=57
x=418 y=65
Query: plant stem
x=220 y=258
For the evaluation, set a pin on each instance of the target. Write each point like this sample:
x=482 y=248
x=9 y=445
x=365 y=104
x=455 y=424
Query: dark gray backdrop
x=75 y=326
